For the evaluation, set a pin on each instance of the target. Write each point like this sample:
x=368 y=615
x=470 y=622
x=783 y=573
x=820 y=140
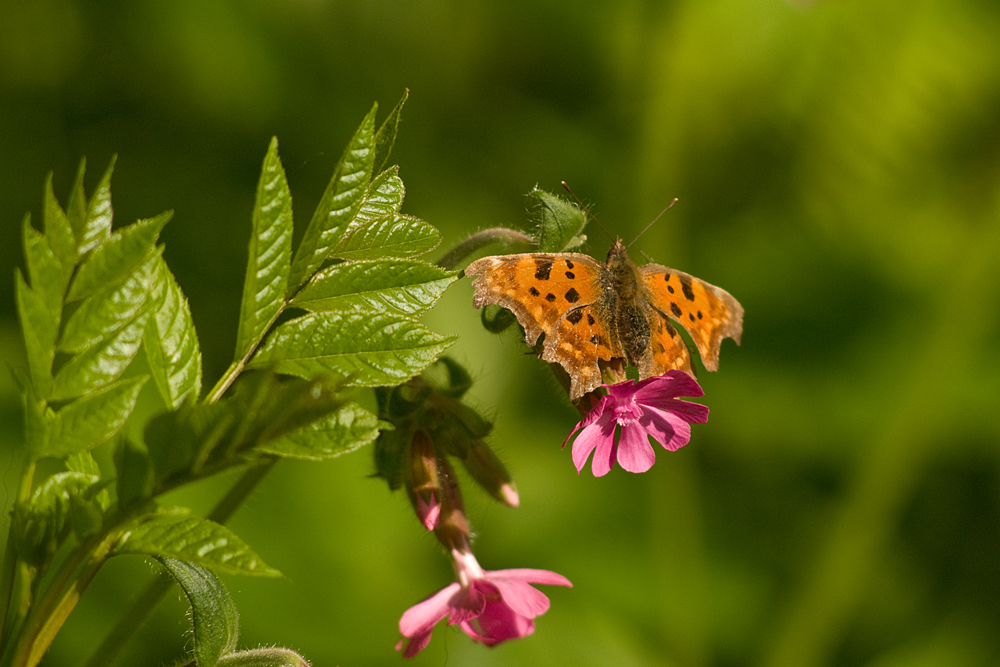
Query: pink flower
x=642 y=409
x=490 y=607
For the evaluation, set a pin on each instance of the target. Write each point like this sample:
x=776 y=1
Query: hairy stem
x=479 y=240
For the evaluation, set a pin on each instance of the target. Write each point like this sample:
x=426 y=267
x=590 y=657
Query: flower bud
x=486 y=468
x=423 y=483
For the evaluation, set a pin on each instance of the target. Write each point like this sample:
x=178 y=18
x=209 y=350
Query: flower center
x=627 y=411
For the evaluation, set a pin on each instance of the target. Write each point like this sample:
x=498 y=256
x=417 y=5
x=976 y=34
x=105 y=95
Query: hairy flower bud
x=488 y=471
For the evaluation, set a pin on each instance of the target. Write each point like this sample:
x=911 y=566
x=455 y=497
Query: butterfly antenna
x=669 y=206
x=584 y=207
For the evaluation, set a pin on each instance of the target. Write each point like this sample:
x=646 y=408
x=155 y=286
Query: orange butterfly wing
x=708 y=313
x=560 y=295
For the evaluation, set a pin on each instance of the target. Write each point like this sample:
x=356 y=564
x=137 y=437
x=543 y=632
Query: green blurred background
x=838 y=170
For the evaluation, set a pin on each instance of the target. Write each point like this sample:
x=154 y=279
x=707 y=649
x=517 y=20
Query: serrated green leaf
x=397 y=236
x=90 y=421
x=270 y=252
x=171 y=342
x=101 y=364
x=115 y=260
x=339 y=205
x=372 y=349
x=134 y=482
x=214 y=618
x=86 y=463
x=58 y=231
x=97 y=229
x=43 y=522
x=192 y=540
x=383 y=199
x=37 y=415
x=76 y=207
x=101 y=315
x=346 y=430
x=560 y=223
x=39 y=331
x=406 y=287
x=44 y=269
x=385 y=138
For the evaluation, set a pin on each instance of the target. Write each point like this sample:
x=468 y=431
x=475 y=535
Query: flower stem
x=479 y=240
x=10 y=557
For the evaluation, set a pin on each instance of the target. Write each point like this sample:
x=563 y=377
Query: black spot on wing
x=570 y=275
x=533 y=292
x=572 y=295
x=575 y=316
x=550 y=297
x=590 y=319
x=569 y=264
x=675 y=309
x=543 y=266
x=686 y=287
x=670 y=288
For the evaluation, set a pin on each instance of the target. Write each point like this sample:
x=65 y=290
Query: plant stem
x=480 y=240
x=10 y=558
x=143 y=604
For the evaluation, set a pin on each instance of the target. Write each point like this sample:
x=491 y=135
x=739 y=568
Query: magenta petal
x=465 y=605
x=422 y=616
x=592 y=436
x=416 y=644
x=530 y=575
x=666 y=428
x=686 y=410
x=635 y=454
x=499 y=622
x=604 y=455
x=674 y=383
x=521 y=597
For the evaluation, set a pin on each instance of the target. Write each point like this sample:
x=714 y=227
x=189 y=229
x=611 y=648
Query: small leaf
x=87 y=422
x=560 y=223
x=101 y=315
x=44 y=269
x=58 y=231
x=76 y=208
x=372 y=349
x=101 y=364
x=276 y=656
x=171 y=342
x=42 y=525
x=339 y=205
x=396 y=236
x=86 y=463
x=382 y=200
x=385 y=138
x=192 y=540
x=270 y=250
x=116 y=259
x=214 y=618
x=407 y=287
x=342 y=432
x=39 y=332
x=134 y=483
x=97 y=228
x=37 y=415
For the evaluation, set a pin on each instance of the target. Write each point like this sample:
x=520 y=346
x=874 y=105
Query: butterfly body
x=591 y=311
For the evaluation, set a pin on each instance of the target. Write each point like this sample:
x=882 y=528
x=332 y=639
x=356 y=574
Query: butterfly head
x=618 y=254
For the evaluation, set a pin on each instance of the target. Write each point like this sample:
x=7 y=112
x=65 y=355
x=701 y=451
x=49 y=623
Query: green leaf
x=276 y=656
x=396 y=236
x=97 y=228
x=372 y=349
x=116 y=259
x=214 y=618
x=44 y=269
x=171 y=342
x=103 y=314
x=406 y=287
x=192 y=540
x=385 y=138
x=135 y=482
x=42 y=524
x=37 y=415
x=39 y=332
x=270 y=249
x=86 y=463
x=560 y=223
x=382 y=200
x=58 y=231
x=101 y=364
x=342 y=432
x=76 y=208
x=339 y=205
x=198 y=438
x=87 y=422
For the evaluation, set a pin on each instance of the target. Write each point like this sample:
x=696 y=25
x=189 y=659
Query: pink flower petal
x=428 y=513
x=498 y=623
x=465 y=604
x=416 y=644
x=666 y=428
x=522 y=597
x=686 y=410
x=591 y=436
x=604 y=454
x=674 y=383
x=635 y=454
x=423 y=616
x=530 y=575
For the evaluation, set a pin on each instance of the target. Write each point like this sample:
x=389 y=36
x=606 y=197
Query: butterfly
x=591 y=311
